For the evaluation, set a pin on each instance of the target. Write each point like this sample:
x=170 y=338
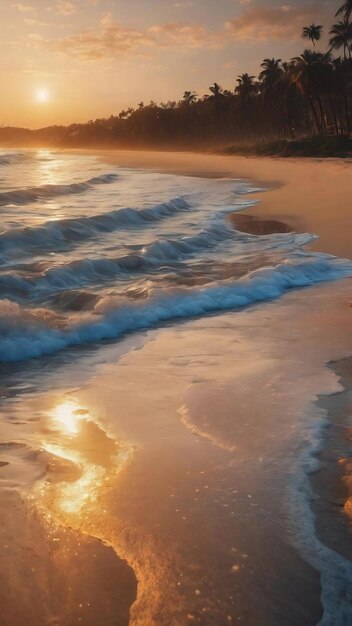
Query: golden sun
x=42 y=95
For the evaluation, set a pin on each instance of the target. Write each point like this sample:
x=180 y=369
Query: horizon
x=54 y=52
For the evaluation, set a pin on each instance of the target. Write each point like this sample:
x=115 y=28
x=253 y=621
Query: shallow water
x=184 y=456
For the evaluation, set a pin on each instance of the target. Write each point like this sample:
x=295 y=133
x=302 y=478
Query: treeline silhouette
x=309 y=95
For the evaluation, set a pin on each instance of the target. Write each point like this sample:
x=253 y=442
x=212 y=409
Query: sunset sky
x=73 y=60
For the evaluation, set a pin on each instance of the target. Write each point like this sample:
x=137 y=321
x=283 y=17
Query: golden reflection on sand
x=82 y=460
x=67 y=415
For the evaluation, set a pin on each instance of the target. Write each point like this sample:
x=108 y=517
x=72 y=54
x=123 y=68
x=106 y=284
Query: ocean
x=88 y=254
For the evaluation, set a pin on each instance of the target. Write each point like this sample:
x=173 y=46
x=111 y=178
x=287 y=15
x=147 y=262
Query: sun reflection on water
x=67 y=418
x=48 y=168
x=82 y=459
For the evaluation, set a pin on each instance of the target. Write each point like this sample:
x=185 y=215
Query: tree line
x=310 y=94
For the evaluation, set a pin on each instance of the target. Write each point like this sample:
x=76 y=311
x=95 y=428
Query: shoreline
x=300 y=192
x=332 y=483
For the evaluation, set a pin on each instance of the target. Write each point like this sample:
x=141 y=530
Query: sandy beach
x=172 y=477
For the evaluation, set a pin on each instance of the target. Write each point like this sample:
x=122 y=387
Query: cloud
x=182 y=5
x=42 y=24
x=35 y=37
x=264 y=23
x=32 y=22
x=179 y=33
x=114 y=40
x=111 y=39
x=23 y=8
x=65 y=8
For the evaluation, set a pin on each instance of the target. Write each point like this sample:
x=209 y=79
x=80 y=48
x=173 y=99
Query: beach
x=192 y=468
x=311 y=194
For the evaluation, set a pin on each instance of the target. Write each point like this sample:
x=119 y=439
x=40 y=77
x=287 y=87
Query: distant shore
x=316 y=147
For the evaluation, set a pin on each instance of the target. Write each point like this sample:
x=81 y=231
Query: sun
x=42 y=95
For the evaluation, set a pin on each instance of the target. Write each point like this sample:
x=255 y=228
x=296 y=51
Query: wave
x=80 y=272
x=163 y=254
x=26 y=333
x=11 y=158
x=46 y=192
x=56 y=234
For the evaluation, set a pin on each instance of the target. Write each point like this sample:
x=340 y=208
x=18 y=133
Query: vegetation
x=307 y=96
x=307 y=147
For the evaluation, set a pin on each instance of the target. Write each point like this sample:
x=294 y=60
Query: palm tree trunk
x=315 y=116
x=322 y=115
x=341 y=116
x=334 y=115
x=348 y=125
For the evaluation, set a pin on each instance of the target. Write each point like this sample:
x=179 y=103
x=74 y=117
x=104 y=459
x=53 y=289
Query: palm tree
x=342 y=84
x=272 y=88
x=271 y=74
x=217 y=97
x=246 y=89
x=312 y=32
x=345 y=10
x=216 y=90
x=307 y=73
x=341 y=36
x=246 y=86
x=189 y=97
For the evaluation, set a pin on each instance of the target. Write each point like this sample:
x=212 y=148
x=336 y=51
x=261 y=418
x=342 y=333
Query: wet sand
x=178 y=473
x=258 y=225
x=50 y=574
x=332 y=484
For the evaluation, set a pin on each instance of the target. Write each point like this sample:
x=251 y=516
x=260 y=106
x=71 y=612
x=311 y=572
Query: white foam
x=25 y=333
x=335 y=570
x=87 y=271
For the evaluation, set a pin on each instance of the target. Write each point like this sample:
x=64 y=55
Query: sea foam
x=29 y=333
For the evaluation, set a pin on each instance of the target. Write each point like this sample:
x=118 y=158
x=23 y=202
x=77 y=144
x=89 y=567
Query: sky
x=65 y=61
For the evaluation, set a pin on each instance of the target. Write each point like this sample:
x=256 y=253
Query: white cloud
x=112 y=39
x=265 y=23
x=66 y=8
x=23 y=8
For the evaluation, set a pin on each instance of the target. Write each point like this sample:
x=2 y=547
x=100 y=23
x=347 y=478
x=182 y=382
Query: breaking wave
x=26 y=333
x=160 y=255
x=46 y=192
x=12 y=158
x=55 y=234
